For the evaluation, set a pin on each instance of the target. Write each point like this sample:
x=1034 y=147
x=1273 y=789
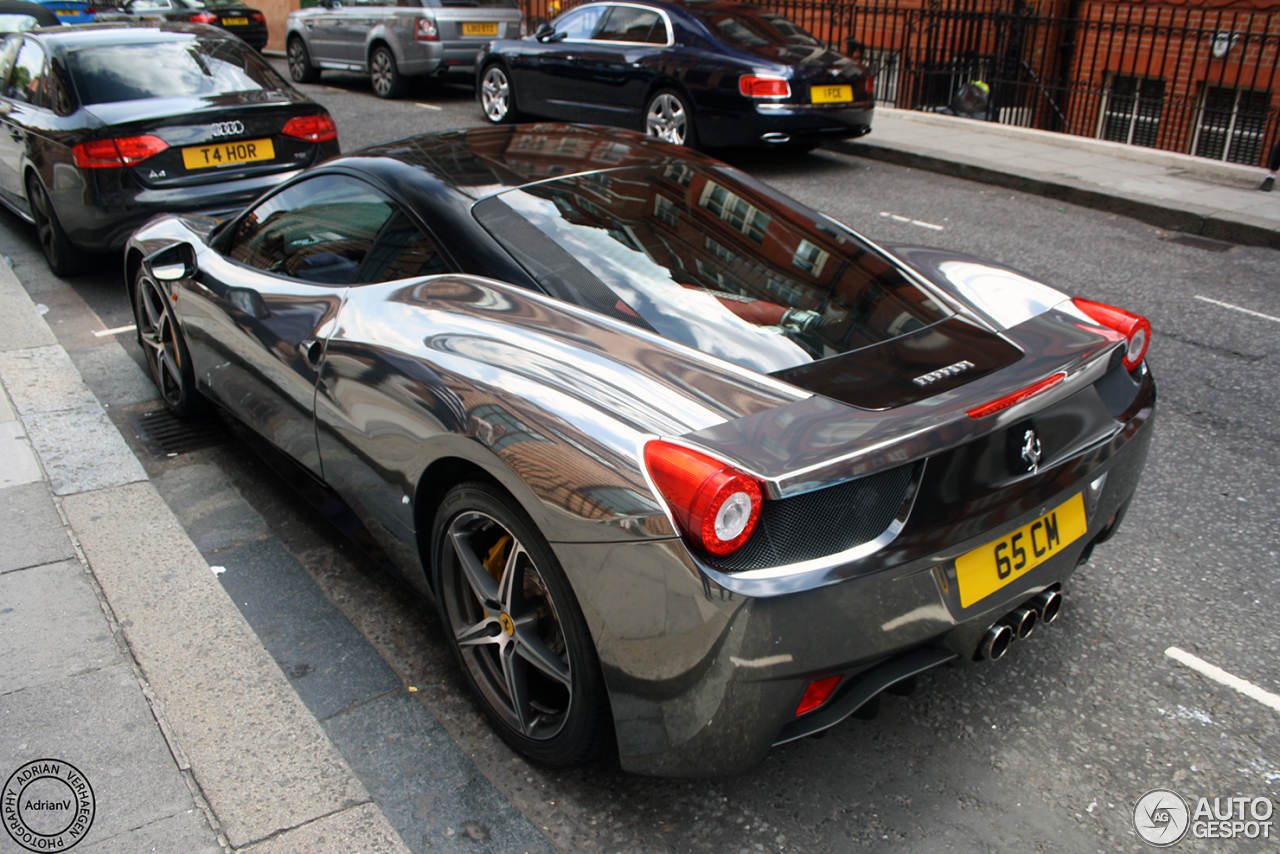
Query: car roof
x=89 y=35
x=481 y=162
x=44 y=16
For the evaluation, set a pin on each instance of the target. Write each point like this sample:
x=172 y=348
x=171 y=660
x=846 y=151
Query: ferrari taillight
x=716 y=505
x=818 y=692
x=1135 y=328
x=311 y=128
x=762 y=86
x=113 y=153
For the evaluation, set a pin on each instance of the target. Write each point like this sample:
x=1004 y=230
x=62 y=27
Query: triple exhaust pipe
x=1020 y=623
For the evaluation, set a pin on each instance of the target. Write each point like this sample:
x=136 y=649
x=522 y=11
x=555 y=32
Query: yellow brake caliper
x=496 y=560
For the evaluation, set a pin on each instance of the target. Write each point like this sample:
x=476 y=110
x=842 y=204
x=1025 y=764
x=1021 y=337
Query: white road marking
x=767 y=661
x=1238 y=308
x=103 y=333
x=429 y=107
x=897 y=218
x=1222 y=677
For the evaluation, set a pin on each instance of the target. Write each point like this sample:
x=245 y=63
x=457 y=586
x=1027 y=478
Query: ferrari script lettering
x=942 y=373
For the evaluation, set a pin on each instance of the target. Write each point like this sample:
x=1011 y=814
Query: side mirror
x=545 y=33
x=173 y=262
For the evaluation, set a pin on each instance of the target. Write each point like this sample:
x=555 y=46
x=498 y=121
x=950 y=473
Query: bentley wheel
x=515 y=627
x=64 y=258
x=166 y=353
x=495 y=96
x=386 y=79
x=300 y=67
x=669 y=118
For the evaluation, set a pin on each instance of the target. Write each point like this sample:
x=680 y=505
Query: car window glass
x=198 y=67
x=402 y=251
x=27 y=81
x=8 y=52
x=148 y=5
x=714 y=261
x=11 y=22
x=319 y=230
x=630 y=24
x=580 y=23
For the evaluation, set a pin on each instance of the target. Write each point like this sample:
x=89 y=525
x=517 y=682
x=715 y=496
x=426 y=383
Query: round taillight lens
x=716 y=505
x=1135 y=328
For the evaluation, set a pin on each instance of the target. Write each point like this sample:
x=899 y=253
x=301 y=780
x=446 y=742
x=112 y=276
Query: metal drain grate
x=1201 y=243
x=164 y=435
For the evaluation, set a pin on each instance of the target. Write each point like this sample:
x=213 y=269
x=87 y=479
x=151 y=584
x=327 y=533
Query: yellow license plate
x=830 y=94
x=235 y=22
x=480 y=29
x=227 y=153
x=66 y=13
x=985 y=570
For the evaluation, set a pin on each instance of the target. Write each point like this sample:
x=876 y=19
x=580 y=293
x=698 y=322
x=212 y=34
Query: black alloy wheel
x=515 y=627
x=383 y=74
x=496 y=98
x=64 y=258
x=166 y=353
x=300 y=67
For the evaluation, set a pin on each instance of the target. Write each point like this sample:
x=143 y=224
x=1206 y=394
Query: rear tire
x=64 y=258
x=300 y=67
x=383 y=74
x=515 y=628
x=668 y=117
x=496 y=98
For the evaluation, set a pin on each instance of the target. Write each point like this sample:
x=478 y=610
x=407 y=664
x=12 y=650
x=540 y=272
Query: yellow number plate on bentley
x=227 y=153
x=480 y=29
x=985 y=570
x=830 y=94
x=235 y=22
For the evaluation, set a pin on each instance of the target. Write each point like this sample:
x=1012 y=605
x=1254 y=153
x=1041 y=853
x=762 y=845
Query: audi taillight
x=716 y=505
x=203 y=18
x=311 y=128
x=110 y=153
x=763 y=86
x=259 y=17
x=425 y=30
x=1135 y=328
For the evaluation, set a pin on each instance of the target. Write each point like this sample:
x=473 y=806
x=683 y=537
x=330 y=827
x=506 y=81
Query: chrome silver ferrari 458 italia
x=686 y=466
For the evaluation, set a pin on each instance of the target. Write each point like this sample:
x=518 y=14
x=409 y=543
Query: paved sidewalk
x=123 y=660
x=1178 y=192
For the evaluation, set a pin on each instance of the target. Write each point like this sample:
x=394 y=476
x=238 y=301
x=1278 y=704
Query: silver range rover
x=392 y=42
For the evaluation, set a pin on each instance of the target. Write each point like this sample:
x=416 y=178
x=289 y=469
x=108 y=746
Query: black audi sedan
x=686 y=466
x=231 y=15
x=696 y=73
x=106 y=125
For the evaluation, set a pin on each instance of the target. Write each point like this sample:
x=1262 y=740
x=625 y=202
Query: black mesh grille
x=822 y=522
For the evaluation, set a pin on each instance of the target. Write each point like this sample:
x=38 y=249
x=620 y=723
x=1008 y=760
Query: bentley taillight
x=716 y=505
x=763 y=86
x=1135 y=328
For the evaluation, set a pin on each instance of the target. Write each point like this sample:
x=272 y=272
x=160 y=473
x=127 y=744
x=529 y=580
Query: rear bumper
x=705 y=670
x=781 y=124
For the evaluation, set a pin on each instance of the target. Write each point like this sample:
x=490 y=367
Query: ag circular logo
x=47 y=805
x=1161 y=817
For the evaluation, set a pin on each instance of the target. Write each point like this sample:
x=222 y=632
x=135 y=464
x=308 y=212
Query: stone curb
x=264 y=765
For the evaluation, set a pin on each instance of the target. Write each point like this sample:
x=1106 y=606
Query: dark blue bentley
x=696 y=73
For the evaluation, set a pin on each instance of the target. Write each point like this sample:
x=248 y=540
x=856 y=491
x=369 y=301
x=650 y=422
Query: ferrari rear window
x=707 y=257
x=131 y=72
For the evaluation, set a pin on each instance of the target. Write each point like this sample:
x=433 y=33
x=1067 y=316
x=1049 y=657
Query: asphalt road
x=1046 y=750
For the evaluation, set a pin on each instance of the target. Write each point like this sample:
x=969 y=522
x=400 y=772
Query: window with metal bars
x=1231 y=124
x=1131 y=110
